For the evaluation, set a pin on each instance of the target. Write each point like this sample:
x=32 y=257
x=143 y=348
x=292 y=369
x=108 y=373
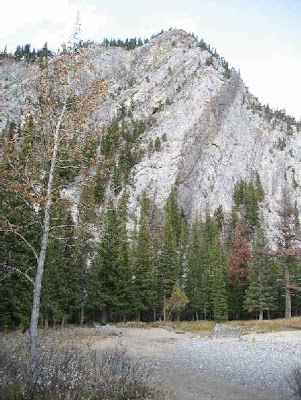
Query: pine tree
x=61 y=294
x=251 y=205
x=238 y=268
x=287 y=249
x=143 y=276
x=216 y=269
x=111 y=278
x=124 y=287
x=197 y=287
x=260 y=292
x=170 y=268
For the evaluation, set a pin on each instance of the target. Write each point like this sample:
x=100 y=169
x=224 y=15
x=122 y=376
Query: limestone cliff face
x=213 y=133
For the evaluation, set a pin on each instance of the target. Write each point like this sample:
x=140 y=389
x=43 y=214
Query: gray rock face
x=214 y=135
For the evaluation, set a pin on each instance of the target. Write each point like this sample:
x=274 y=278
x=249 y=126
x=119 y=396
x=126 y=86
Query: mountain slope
x=212 y=131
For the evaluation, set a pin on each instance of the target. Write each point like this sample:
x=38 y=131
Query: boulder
x=225 y=331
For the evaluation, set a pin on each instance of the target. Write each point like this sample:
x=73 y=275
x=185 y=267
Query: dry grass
x=67 y=368
x=135 y=324
x=274 y=325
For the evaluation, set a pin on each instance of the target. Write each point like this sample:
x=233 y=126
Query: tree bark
x=154 y=314
x=164 y=307
x=104 y=317
x=288 y=298
x=44 y=242
x=261 y=315
x=82 y=314
x=46 y=322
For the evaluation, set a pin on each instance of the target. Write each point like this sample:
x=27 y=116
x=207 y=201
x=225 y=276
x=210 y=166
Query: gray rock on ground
x=108 y=330
x=225 y=331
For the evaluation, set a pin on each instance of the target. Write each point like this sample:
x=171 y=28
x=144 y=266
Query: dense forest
x=219 y=267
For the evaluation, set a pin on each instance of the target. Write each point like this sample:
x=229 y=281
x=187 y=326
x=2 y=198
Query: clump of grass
x=134 y=324
x=71 y=372
x=194 y=326
x=273 y=325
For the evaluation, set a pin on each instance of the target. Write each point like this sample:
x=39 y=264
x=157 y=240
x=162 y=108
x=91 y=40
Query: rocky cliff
x=213 y=132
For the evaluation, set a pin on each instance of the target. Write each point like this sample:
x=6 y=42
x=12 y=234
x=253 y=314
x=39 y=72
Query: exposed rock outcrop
x=214 y=133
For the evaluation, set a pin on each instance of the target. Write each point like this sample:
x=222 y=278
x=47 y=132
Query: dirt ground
x=157 y=345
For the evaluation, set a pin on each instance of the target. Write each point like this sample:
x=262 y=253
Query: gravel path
x=262 y=361
x=253 y=367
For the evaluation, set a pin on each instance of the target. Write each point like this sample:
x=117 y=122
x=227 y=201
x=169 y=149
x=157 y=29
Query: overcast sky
x=261 y=37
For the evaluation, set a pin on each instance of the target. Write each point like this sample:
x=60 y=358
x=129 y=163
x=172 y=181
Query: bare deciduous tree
x=287 y=248
x=62 y=95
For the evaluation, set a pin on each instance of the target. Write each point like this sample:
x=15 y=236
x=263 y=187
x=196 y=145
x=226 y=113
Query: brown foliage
x=239 y=256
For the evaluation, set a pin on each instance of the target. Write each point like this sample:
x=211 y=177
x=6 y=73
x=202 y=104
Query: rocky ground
x=252 y=366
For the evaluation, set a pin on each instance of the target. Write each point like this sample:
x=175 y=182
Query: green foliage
x=99 y=186
x=247 y=197
x=128 y=44
x=281 y=144
x=157 y=144
x=27 y=54
x=150 y=147
x=260 y=292
x=197 y=274
x=142 y=260
x=209 y=61
x=206 y=276
x=177 y=302
x=110 y=277
x=164 y=137
x=170 y=267
x=61 y=292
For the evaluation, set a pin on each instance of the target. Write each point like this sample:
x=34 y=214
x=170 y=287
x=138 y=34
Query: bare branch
x=11 y=269
x=21 y=237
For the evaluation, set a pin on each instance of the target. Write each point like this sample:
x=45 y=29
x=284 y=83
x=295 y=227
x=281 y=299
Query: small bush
x=71 y=373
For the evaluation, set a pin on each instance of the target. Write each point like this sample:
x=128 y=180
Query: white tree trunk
x=44 y=242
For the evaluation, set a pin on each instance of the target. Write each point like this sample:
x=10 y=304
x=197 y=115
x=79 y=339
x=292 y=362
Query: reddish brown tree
x=288 y=249
x=239 y=256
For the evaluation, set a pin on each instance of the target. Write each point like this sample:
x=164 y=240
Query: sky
x=260 y=37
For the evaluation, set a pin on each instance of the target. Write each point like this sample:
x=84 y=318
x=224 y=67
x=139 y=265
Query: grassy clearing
x=274 y=325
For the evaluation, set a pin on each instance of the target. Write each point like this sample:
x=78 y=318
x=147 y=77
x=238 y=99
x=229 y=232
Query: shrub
x=71 y=373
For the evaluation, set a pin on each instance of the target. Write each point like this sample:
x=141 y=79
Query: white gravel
x=262 y=361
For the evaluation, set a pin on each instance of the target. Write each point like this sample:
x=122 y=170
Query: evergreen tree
x=238 y=268
x=143 y=276
x=287 y=249
x=111 y=279
x=60 y=298
x=251 y=205
x=216 y=269
x=260 y=293
x=170 y=268
x=197 y=287
x=125 y=288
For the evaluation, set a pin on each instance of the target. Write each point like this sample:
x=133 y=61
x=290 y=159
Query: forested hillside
x=144 y=182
